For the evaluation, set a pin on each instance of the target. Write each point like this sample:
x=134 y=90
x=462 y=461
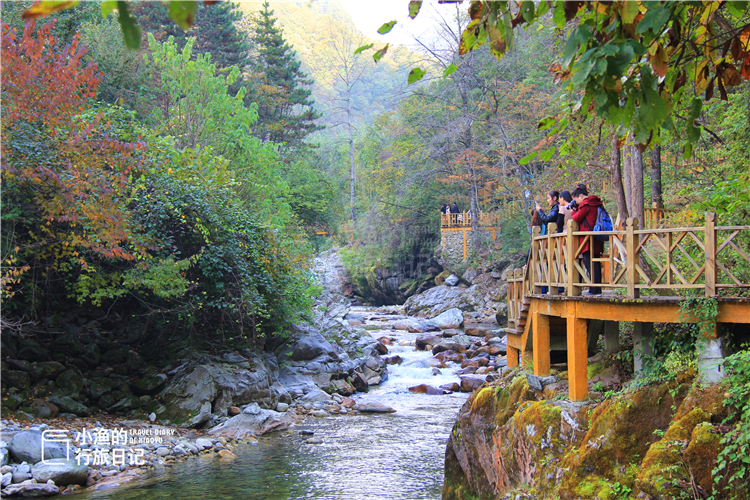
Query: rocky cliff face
x=510 y=441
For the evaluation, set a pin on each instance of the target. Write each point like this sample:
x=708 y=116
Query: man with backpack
x=591 y=216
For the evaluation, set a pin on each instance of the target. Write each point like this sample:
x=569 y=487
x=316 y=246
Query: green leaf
x=414 y=7
x=130 y=30
x=526 y=159
x=415 y=75
x=547 y=155
x=450 y=70
x=570 y=51
x=108 y=6
x=629 y=12
x=363 y=48
x=183 y=13
x=527 y=10
x=377 y=56
x=655 y=18
x=546 y=123
x=695 y=108
x=387 y=27
x=558 y=14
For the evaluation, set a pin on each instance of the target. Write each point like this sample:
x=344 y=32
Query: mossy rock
x=701 y=454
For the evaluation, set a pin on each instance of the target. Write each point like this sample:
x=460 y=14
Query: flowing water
x=368 y=456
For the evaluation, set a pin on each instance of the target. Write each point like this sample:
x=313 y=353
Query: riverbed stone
x=70 y=382
x=258 y=424
x=150 y=384
x=45 y=370
x=452 y=280
x=31 y=490
x=204 y=443
x=310 y=347
x=67 y=404
x=44 y=409
x=452 y=318
x=16 y=378
x=26 y=446
x=63 y=472
x=373 y=407
x=470 y=383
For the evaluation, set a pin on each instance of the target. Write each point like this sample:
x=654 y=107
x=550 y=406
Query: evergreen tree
x=214 y=31
x=280 y=88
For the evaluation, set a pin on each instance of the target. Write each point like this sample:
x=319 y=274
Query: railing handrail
x=463 y=219
x=677 y=258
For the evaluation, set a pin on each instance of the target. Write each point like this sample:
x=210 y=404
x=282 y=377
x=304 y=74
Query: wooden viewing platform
x=635 y=265
x=456 y=229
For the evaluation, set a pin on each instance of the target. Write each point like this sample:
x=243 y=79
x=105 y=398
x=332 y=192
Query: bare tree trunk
x=615 y=176
x=638 y=208
x=627 y=176
x=656 y=200
x=352 y=174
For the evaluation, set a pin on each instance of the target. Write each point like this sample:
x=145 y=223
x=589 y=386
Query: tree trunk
x=656 y=200
x=638 y=209
x=352 y=171
x=615 y=176
x=627 y=176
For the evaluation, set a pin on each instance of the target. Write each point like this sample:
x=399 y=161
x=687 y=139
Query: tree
x=214 y=30
x=279 y=87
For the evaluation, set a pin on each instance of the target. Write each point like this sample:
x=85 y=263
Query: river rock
x=452 y=280
x=426 y=389
x=258 y=424
x=61 y=471
x=374 y=408
x=150 y=385
x=31 y=490
x=342 y=387
x=282 y=407
x=202 y=417
x=16 y=378
x=67 y=404
x=422 y=341
x=204 y=443
x=46 y=370
x=452 y=318
x=452 y=387
x=26 y=446
x=7 y=478
x=70 y=382
x=470 y=383
x=394 y=360
x=310 y=347
x=476 y=331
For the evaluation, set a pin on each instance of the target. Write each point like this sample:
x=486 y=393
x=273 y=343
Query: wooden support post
x=611 y=336
x=534 y=263
x=540 y=342
x=631 y=244
x=551 y=261
x=464 y=243
x=512 y=357
x=571 y=246
x=710 y=243
x=642 y=343
x=577 y=359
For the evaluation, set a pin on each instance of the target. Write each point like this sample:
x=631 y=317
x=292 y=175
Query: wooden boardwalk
x=636 y=265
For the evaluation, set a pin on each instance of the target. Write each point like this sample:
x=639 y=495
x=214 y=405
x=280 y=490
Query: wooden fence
x=464 y=219
x=710 y=258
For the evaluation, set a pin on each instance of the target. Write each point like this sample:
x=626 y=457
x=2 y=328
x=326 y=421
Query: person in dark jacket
x=553 y=200
x=454 y=209
x=585 y=216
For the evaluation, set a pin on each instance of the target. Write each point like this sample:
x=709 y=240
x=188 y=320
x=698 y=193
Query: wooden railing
x=656 y=218
x=464 y=219
x=709 y=258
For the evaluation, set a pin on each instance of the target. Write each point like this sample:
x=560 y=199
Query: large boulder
x=223 y=385
x=62 y=472
x=70 y=382
x=67 y=404
x=150 y=384
x=452 y=318
x=31 y=490
x=26 y=446
x=253 y=421
x=310 y=347
x=46 y=370
x=442 y=298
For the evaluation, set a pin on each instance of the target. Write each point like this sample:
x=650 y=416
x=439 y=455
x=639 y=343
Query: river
x=368 y=456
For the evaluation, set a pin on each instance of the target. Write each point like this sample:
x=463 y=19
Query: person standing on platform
x=585 y=215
